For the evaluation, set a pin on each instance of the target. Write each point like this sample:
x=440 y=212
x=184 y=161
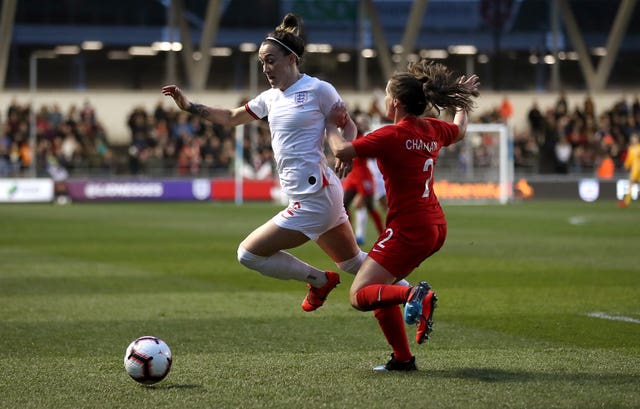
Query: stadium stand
x=166 y=142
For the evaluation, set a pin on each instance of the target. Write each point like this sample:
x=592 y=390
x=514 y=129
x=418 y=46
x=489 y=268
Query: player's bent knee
x=250 y=260
x=353 y=299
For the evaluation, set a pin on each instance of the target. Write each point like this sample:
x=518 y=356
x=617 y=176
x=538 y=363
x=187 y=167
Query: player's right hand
x=176 y=93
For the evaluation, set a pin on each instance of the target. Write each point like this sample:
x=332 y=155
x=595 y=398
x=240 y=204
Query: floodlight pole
x=33 y=87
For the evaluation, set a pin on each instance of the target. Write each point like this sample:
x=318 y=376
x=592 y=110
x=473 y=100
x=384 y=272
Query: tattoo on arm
x=198 y=109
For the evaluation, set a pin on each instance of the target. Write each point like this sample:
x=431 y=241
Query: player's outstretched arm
x=461 y=117
x=226 y=117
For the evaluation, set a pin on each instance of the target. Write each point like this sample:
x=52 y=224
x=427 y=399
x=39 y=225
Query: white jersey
x=297 y=119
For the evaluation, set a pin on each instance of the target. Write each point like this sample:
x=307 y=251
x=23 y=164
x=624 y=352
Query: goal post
x=480 y=169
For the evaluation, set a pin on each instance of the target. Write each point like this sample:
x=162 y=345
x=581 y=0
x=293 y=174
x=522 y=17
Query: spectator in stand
x=536 y=122
x=635 y=111
x=506 y=110
x=189 y=158
x=563 y=151
x=562 y=106
x=5 y=147
x=589 y=108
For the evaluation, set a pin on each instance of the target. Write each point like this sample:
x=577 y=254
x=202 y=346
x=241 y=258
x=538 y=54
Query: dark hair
x=428 y=85
x=289 y=34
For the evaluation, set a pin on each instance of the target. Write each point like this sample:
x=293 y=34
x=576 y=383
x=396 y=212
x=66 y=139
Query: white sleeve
x=258 y=106
x=327 y=97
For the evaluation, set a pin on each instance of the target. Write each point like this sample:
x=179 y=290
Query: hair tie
x=284 y=45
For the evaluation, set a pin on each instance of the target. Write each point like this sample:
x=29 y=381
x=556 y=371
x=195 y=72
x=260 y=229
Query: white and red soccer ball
x=148 y=360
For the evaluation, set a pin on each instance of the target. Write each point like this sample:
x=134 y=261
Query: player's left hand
x=343 y=167
x=472 y=83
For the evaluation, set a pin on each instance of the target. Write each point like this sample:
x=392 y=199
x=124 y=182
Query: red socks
x=392 y=325
x=385 y=300
x=375 y=296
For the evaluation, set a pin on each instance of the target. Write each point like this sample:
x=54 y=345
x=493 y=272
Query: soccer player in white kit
x=299 y=110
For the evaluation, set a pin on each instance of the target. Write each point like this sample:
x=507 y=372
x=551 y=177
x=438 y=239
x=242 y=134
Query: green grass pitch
x=516 y=283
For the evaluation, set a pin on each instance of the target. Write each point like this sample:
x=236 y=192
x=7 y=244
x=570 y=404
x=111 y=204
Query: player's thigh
x=371 y=273
x=270 y=238
x=339 y=243
x=400 y=249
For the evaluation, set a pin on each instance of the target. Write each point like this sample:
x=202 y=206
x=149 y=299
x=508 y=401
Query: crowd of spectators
x=559 y=139
x=562 y=139
x=64 y=141
x=169 y=141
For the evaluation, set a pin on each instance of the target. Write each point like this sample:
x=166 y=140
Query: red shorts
x=364 y=186
x=401 y=249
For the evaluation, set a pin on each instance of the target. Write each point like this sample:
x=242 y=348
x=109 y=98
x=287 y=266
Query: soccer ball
x=147 y=360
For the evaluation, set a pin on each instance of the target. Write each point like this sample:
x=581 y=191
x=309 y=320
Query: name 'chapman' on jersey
x=419 y=144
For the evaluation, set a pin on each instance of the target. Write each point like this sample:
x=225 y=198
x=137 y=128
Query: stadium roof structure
x=393 y=29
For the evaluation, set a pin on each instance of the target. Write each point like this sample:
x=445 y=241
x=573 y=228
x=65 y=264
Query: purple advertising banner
x=124 y=190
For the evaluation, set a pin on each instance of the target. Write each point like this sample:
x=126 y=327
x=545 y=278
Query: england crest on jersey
x=301 y=97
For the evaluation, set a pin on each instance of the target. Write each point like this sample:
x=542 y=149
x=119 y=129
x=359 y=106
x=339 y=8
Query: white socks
x=283 y=266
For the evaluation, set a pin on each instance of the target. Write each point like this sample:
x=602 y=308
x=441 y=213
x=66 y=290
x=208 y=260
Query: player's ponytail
x=438 y=86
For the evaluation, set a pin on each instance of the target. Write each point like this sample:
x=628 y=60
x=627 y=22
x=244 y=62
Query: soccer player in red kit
x=407 y=153
x=360 y=181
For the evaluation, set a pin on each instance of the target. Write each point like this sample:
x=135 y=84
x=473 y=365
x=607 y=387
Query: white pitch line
x=577 y=220
x=613 y=317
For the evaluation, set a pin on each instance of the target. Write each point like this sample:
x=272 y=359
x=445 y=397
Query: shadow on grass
x=492 y=375
x=174 y=386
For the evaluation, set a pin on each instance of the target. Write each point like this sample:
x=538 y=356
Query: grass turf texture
x=516 y=284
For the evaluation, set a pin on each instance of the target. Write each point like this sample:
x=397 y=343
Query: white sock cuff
x=352 y=265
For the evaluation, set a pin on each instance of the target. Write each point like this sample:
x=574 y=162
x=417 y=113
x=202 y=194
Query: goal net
x=479 y=169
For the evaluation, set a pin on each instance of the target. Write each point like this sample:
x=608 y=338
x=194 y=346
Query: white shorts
x=378 y=181
x=315 y=213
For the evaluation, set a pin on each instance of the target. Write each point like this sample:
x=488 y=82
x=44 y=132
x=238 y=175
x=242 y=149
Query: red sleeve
x=372 y=145
x=447 y=131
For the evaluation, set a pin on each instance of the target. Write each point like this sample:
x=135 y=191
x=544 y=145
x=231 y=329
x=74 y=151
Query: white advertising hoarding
x=26 y=190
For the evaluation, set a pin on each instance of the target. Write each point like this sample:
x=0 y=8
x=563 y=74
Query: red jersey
x=407 y=153
x=359 y=169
